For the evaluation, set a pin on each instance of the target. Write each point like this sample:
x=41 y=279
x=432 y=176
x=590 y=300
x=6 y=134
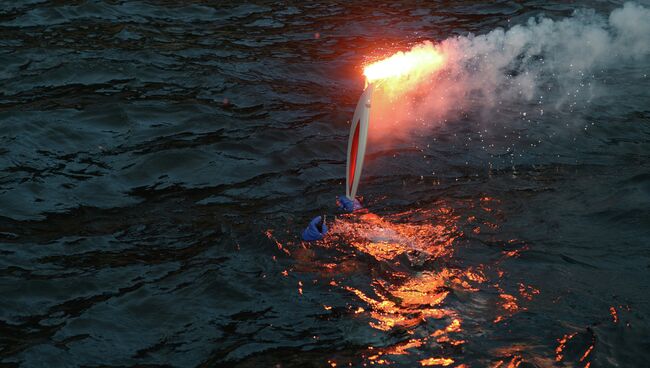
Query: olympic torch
x=357 y=142
x=398 y=73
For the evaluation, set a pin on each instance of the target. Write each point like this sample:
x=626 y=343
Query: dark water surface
x=158 y=160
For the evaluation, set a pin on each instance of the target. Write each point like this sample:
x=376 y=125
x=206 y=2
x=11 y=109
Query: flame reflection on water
x=404 y=280
x=409 y=296
x=410 y=283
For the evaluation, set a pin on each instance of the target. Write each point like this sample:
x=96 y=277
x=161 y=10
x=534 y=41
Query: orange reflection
x=509 y=303
x=527 y=292
x=560 y=348
x=399 y=301
x=269 y=234
x=515 y=362
x=401 y=348
x=437 y=361
x=413 y=282
x=559 y=351
x=512 y=356
x=612 y=311
x=586 y=354
x=386 y=238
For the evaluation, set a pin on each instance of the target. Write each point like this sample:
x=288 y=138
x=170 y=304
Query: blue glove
x=316 y=230
x=348 y=205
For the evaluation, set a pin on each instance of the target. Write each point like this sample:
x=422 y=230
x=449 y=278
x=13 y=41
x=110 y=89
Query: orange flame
x=416 y=64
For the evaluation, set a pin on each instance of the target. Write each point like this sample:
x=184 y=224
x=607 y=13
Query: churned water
x=159 y=159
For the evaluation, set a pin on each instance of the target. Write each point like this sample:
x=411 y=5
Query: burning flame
x=406 y=91
x=421 y=61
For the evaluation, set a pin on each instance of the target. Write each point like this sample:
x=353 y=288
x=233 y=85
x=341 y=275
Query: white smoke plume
x=545 y=61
